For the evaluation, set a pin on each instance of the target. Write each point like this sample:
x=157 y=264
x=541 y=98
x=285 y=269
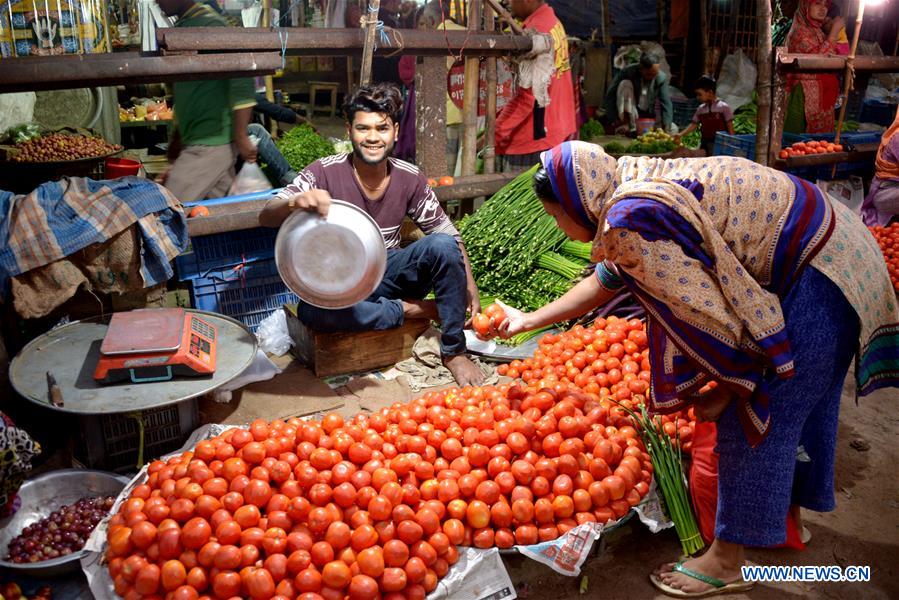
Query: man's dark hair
x=647 y=60
x=706 y=83
x=543 y=188
x=377 y=98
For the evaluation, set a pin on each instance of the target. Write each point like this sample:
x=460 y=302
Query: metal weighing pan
x=331 y=262
x=70 y=354
x=41 y=496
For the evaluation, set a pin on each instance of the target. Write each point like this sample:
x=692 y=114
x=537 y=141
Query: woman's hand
x=516 y=322
x=711 y=401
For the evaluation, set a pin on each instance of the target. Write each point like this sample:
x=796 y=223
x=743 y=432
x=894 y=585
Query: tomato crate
x=247 y=291
x=111 y=442
x=219 y=250
x=845 y=169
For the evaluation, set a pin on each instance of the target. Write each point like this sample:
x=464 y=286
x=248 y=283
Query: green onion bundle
x=669 y=473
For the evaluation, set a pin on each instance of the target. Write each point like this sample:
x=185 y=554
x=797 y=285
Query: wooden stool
x=322 y=86
x=340 y=353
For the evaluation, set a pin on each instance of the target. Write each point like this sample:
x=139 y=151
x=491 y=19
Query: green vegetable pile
x=591 y=129
x=302 y=145
x=746 y=116
x=23 y=133
x=653 y=142
x=517 y=253
x=692 y=139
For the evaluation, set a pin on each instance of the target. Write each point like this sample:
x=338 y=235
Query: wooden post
x=778 y=108
x=704 y=34
x=430 y=115
x=269 y=80
x=490 y=129
x=371 y=26
x=763 y=87
x=849 y=75
x=470 y=101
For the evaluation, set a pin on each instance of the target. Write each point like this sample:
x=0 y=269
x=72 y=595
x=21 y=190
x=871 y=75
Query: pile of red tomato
x=888 y=240
x=374 y=507
x=810 y=147
x=608 y=359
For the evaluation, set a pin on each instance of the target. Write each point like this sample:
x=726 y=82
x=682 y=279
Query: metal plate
x=331 y=262
x=71 y=352
x=68 y=108
x=44 y=494
x=144 y=330
x=491 y=350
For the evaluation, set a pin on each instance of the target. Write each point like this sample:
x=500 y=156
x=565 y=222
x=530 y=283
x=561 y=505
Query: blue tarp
x=580 y=17
x=633 y=18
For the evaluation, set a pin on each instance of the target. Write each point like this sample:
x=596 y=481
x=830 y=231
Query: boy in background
x=712 y=116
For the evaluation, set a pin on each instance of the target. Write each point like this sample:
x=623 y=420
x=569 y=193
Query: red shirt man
x=524 y=129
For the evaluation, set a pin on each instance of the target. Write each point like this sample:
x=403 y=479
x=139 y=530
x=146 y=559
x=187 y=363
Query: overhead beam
x=89 y=70
x=339 y=42
x=818 y=62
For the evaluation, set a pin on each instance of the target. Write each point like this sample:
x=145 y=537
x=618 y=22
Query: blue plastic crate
x=221 y=250
x=875 y=111
x=741 y=145
x=684 y=111
x=248 y=292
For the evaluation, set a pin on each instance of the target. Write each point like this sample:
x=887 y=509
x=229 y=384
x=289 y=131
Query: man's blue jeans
x=434 y=262
x=270 y=155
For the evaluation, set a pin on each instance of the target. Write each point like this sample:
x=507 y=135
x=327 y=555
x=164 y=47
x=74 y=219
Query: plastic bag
x=736 y=85
x=16 y=109
x=250 y=179
x=851 y=192
x=272 y=334
x=261 y=369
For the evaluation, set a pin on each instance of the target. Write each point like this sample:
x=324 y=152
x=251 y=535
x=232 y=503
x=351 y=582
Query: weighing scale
x=156 y=344
x=71 y=354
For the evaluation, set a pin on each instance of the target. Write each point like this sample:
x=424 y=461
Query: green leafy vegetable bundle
x=302 y=145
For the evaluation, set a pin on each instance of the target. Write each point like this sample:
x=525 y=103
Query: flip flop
x=718 y=586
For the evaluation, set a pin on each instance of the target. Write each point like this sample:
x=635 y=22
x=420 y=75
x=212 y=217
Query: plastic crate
x=248 y=292
x=684 y=111
x=741 y=145
x=110 y=442
x=220 y=250
x=875 y=111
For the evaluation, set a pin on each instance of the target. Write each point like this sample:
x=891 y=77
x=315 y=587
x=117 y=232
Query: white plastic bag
x=261 y=369
x=249 y=179
x=736 y=84
x=16 y=109
x=850 y=192
x=272 y=334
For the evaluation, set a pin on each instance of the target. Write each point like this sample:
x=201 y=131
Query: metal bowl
x=331 y=262
x=40 y=497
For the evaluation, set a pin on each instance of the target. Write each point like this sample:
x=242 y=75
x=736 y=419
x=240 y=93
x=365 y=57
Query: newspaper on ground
x=567 y=553
x=651 y=513
x=478 y=575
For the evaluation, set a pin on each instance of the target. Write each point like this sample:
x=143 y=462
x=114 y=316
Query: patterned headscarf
x=583 y=177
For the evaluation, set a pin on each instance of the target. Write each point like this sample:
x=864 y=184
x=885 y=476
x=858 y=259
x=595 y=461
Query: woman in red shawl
x=815 y=96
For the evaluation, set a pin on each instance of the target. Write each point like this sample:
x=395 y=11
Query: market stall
x=190 y=453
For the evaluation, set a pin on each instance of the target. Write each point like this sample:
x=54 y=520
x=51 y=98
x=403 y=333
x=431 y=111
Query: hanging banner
x=455 y=85
x=35 y=28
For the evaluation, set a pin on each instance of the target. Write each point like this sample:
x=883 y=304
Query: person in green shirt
x=211 y=119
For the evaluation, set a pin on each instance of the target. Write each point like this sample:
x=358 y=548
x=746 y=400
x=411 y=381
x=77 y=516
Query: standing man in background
x=524 y=128
x=211 y=119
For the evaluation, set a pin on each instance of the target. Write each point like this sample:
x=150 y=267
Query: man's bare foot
x=420 y=309
x=464 y=371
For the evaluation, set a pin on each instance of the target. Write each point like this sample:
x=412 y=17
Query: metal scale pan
x=70 y=353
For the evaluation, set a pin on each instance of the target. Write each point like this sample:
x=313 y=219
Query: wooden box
x=340 y=353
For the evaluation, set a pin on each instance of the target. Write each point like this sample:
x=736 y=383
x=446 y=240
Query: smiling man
x=389 y=190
